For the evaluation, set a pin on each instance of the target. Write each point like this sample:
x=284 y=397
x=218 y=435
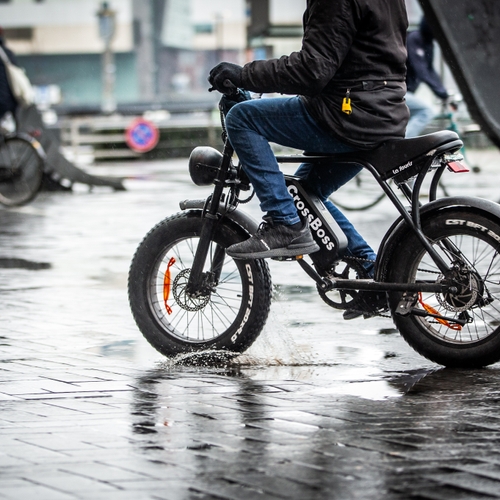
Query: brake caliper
x=167 y=284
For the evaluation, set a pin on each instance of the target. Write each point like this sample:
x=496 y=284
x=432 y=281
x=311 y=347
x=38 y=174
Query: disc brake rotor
x=469 y=292
x=187 y=302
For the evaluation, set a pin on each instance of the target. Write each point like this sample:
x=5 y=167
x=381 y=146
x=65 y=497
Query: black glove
x=229 y=100
x=225 y=77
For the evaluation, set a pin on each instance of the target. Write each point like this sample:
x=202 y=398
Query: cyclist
x=420 y=65
x=349 y=84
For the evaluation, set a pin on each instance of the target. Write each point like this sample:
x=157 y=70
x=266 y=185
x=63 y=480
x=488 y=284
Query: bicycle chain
x=360 y=259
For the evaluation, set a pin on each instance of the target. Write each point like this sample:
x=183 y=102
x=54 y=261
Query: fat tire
x=481 y=345
x=254 y=275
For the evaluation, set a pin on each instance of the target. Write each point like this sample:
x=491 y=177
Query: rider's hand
x=450 y=102
x=225 y=77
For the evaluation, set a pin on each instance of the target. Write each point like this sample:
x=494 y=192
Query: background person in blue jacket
x=420 y=69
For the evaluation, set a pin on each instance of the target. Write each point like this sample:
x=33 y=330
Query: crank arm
x=311 y=272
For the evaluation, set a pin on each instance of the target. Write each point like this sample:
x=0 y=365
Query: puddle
x=375 y=390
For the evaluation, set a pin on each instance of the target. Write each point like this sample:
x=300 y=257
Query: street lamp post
x=106 y=18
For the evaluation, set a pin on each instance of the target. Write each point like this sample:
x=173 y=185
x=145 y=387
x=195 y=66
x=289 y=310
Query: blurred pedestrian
x=7 y=100
x=420 y=69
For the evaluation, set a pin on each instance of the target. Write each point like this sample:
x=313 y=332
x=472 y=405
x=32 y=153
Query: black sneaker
x=367 y=304
x=275 y=240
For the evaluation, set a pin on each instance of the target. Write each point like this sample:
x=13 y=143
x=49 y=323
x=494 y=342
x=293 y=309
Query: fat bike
x=438 y=265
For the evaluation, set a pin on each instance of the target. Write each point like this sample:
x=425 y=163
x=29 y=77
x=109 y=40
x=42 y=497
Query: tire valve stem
x=167 y=283
x=431 y=310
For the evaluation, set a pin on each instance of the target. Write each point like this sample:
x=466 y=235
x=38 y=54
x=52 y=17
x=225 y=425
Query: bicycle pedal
x=287 y=259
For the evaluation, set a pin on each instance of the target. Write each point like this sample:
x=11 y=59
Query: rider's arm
x=329 y=28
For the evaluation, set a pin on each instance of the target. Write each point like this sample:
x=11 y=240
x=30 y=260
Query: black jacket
x=7 y=100
x=348 y=45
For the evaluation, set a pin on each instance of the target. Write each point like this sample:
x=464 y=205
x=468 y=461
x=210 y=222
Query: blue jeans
x=421 y=114
x=252 y=125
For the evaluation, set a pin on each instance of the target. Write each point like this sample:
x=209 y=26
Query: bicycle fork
x=200 y=283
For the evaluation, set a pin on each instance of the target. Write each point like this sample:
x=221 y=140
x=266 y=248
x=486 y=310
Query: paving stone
x=88 y=410
x=35 y=491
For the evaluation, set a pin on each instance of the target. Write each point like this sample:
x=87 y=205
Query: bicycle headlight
x=204 y=163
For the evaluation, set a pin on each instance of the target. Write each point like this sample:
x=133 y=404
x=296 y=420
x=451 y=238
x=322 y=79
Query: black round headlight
x=204 y=163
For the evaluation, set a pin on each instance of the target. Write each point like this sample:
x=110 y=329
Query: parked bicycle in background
x=22 y=164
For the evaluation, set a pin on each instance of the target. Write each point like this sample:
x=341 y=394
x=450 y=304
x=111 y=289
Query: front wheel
x=469 y=242
x=227 y=313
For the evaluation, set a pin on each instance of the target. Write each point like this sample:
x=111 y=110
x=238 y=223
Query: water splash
x=276 y=346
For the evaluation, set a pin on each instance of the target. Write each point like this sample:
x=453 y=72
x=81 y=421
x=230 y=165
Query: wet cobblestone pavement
x=318 y=408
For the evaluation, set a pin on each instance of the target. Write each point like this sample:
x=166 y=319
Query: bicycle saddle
x=402 y=158
x=394 y=157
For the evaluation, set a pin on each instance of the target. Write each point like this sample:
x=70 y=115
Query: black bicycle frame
x=197 y=283
x=413 y=219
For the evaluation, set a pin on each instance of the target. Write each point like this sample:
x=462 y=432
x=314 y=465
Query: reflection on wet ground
x=286 y=439
x=340 y=381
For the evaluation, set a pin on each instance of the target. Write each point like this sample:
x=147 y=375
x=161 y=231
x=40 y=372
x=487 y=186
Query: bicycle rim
x=479 y=301
x=190 y=319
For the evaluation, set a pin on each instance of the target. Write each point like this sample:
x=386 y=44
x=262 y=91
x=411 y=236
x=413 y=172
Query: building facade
x=162 y=49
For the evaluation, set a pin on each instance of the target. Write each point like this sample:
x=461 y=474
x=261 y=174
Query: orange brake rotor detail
x=431 y=310
x=167 y=283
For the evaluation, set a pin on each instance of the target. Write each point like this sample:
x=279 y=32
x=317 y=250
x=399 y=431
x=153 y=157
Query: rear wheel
x=470 y=243
x=21 y=171
x=227 y=313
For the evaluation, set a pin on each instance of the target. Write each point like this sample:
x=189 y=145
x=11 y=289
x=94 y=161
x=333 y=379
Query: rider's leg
x=252 y=125
x=323 y=181
x=421 y=115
